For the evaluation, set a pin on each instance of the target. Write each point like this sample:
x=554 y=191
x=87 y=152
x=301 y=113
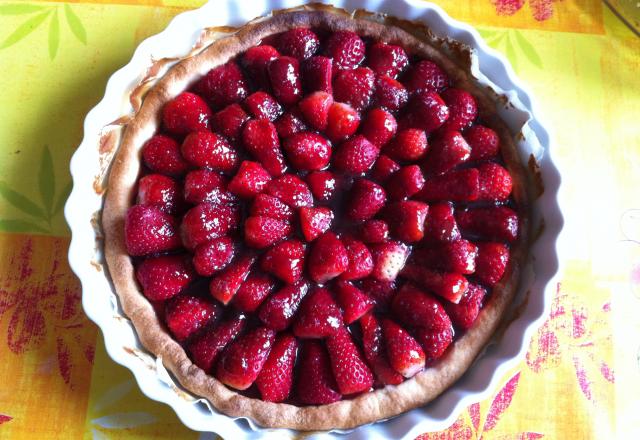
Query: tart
x=318 y=221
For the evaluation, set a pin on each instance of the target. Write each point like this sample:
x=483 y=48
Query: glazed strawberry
x=426 y=111
x=315 y=109
x=276 y=378
x=213 y=256
x=404 y=352
x=426 y=76
x=291 y=190
x=160 y=191
x=164 y=277
x=206 y=346
x=285 y=261
x=463 y=109
x=243 y=360
x=360 y=260
x=448 y=150
x=409 y=145
x=262 y=105
x=223 y=85
x=353 y=301
x=328 y=258
x=448 y=285
x=161 y=154
x=354 y=87
x=299 y=43
x=495 y=183
x=388 y=259
x=318 y=317
x=496 y=223
x=318 y=387
x=342 y=121
x=187 y=112
x=381 y=291
x=270 y=206
x=346 y=48
x=367 y=198
x=349 y=369
x=387 y=59
x=284 y=74
x=207 y=221
x=307 y=151
x=407 y=220
x=375 y=231
x=316 y=74
x=322 y=185
x=250 y=180
x=260 y=138
x=256 y=60
x=491 y=262
x=279 y=309
x=226 y=283
x=148 y=230
x=261 y=232
x=255 y=289
x=419 y=309
x=290 y=123
x=202 y=186
x=456 y=186
x=186 y=314
x=390 y=94
x=355 y=156
x=229 y=121
x=466 y=311
x=457 y=256
x=384 y=168
x=440 y=224
x=375 y=353
x=207 y=149
x=434 y=341
x=379 y=127
x=484 y=142
x=315 y=221
x=404 y=183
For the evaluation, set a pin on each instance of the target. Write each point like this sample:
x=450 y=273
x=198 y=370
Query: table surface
x=581 y=375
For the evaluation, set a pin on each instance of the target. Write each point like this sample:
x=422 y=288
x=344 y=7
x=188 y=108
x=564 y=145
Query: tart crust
x=366 y=408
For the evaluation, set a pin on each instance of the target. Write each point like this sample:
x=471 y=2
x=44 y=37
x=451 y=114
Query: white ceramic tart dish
x=109 y=159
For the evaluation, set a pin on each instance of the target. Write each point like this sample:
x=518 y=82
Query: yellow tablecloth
x=580 y=378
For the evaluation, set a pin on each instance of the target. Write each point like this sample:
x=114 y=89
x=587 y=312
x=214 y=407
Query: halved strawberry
x=278 y=310
x=315 y=109
x=250 y=180
x=466 y=311
x=285 y=260
x=148 y=230
x=275 y=380
x=360 y=260
x=426 y=111
x=463 y=109
x=375 y=231
x=417 y=308
x=405 y=182
x=290 y=123
x=384 y=168
x=262 y=105
x=353 y=301
x=253 y=291
x=186 y=113
x=284 y=75
x=342 y=121
x=426 y=75
x=261 y=232
x=205 y=149
x=316 y=74
x=318 y=317
x=223 y=85
x=256 y=60
x=375 y=353
x=186 y=314
x=389 y=93
x=270 y=206
x=162 y=155
x=354 y=87
x=491 y=262
x=409 y=144
x=495 y=223
x=448 y=285
x=318 y=386
x=213 y=256
x=448 y=150
x=355 y=156
x=434 y=341
x=349 y=369
x=457 y=256
x=379 y=126
x=387 y=59
x=160 y=191
x=206 y=346
x=440 y=224
x=367 y=198
x=346 y=48
x=404 y=352
x=322 y=184
x=495 y=183
x=203 y=185
x=307 y=151
x=381 y=291
x=328 y=258
x=456 y=186
x=260 y=138
x=315 y=221
x=164 y=277
x=484 y=142
x=207 y=221
x=407 y=220
x=299 y=43
x=226 y=283
x=292 y=190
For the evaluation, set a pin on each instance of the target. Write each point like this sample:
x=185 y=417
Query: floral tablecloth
x=581 y=376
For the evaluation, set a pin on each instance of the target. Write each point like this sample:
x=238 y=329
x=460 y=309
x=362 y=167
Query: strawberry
x=379 y=127
x=367 y=198
x=299 y=43
x=448 y=150
x=243 y=360
x=426 y=76
x=404 y=352
x=440 y=224
x=384 y=168
x=360 y=260
x=307 y=151
x=416 y=308
x=148 y=230
x=206 y=346
x=315 y=222
x=278 y=310
x=484 y=142
x=388 y=260
x=374 y=352
x=161 y=154
x=409 y=145
x=256 y=60
x=318 y=317
x=354 y=87
x=269 y=206
x=426 y=111
x=225 y=284
x=387 y=59
x=316 y=74
x=284 y=74
x=160 y=191
x=315 y=109
x=250 y=180
x=205 y=149
x=349 y=369
x=187 y=112
x=407 y=220
x=375 y=231
x=495 y=223
x=318 y=387
x=491 y=262
x=463 y=109
x=223 y=85
x=291 y=190
x=353 y=301
x=164 y=277
x=275 y=380
x=322 y=184
x=328 y=258
x=466 y=311
x=346 y=48
x=434 y=341
x=253 y=291
x=207 y=221
x=202 y=186
x=285 y=261
x=290 y=123
x=390 y=94
x=229 y=121
x=381 y=291
x=495 y=183
x=186 y=314
x=260 y=138
x=262 y=105
x=456 y=186
x=450 y=286
x=261 y=232
x=456 y=256
x=213 y=256
x=342 y=121
x=404 y=183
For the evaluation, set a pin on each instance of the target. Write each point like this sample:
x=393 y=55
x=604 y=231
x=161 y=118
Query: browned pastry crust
x=369 y=407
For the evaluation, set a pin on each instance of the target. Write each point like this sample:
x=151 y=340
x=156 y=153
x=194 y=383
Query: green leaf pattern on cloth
x=514 y=44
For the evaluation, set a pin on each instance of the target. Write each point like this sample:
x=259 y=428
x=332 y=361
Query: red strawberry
x=407 y=220
x=390 y=93
x=463 y=109
x=186 y=113
x=360 y=260
x=495 y=182
x=404 y=352
x=426 y=111
x=263 y=106
x=148 y=230
x=206 y=346
x=160 y=191
x=243 y=360
x=374 y=351
x=260 y=138
x=299 y=43
x=318 y=387
x=269 y=206
x=426 y=75
x=291 y=190
x=456 y=256
x=450 y=286
x=388 y=260
x=207 y=221
x=213 y=256
x=466 y=311
x=346 y=48
x=355 y=87
x=186 y=314
x=261 y=232
x=229 y=121
x=434 y=341
x=275 y=380
x=384 y=168
x=484 y=142
x=419 y=309
x=387 y=59
x=162 y=155
x=318 y=317
x=207 y=149
x=355 y=156
x=367 y=198
x=284 y=74
x=256 y=60
x=316 y=74
x=375 y=231
x=491 y=262
x=253 y=291
x=328 y=258
x=285 y=261
x=315 y=221
x=307 y=151
x=278 y=310
x=456 y=186
x=448 y=150
x=406 y=182
x=223 y=85
x=349 y=369
x=164 y=277
x=495 y=223
x=322 y=184
x=440 y=224
x=315 y=109
x=250 y=180
x=290 y=123
x=353 y=301
x=379 y=126
x=380 y=291
x=202 y=186
x=409 y=145
x=226 y=283
x=342 y=121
